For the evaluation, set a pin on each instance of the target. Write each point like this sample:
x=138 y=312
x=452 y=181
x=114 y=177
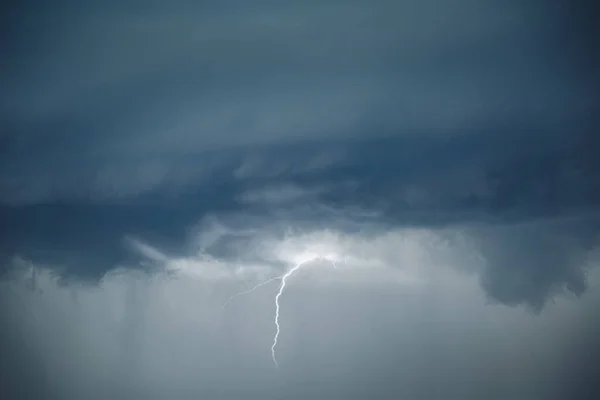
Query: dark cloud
x=394 y=182
x=529 y=264
x=139 y=134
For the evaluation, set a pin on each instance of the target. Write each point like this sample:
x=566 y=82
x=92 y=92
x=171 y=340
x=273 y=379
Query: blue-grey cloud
x=511 y=177
x=142 y=134
x=143 y=122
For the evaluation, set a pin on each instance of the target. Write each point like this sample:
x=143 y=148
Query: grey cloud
x=135 y=134
x=189 y=72
x=387 y=183
x=337 y=341
x=534 y=262
x=113 y=103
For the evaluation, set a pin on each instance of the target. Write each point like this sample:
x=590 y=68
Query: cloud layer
x=157 y=158
x=404 y=314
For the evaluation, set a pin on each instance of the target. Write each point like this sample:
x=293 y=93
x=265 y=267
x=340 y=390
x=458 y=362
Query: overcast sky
x=431 y=163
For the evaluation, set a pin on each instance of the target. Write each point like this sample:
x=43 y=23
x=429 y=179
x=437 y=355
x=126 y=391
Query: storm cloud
x=157 y=158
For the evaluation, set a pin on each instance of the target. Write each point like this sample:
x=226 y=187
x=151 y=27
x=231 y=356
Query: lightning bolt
x=281 y=289
x=277 y=307
x=278 y=296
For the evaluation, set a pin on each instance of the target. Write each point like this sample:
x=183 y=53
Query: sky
x=413 y=184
